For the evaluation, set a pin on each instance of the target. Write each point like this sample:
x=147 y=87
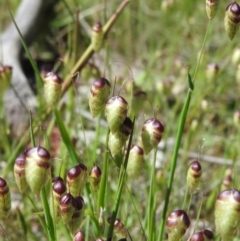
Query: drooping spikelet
x=5 y=199
x=227 y=182
x=205 y=235
x=76 y=219
x=151 y=134
x=116 y=112
x=119 y=229
x=212 y=72
x=194 y=175
x=99 y=94
x=37 y=169
x=211 y=8
x=95 y=177
x=232 y=19
x=52 y=89
x=135 y=161
x=78 y=236
x=118 y=139
x=97 y=37
x=67 y=207
x=177 y=224
x=20 y=173
x=76 y=179
x=59 y=190
x=227 y=213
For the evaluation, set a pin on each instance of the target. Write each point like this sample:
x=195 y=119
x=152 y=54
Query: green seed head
x=95 y=177
x=227 y=213
x=119 y=228
x=97 y=37
x=118 y=139
x=59 y=190
x=99 y=94
x=76 y=219
x=212 y=72
x=116 y=112
x=78 y=236
x=194 y=175
x=205 y=235
x=227 y=182
x=236 y=56
x=151 y=134
x=5 y=78
x=76 y=179
x=177 y=224
x=66 y=207
x=135 y=161
x=20 y=173
x=5 y=199
x=52 y=89
x=37 y=168
x=211 y=8
x=232 y=19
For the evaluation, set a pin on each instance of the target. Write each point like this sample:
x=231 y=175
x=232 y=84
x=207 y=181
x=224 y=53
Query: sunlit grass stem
x=182 y=121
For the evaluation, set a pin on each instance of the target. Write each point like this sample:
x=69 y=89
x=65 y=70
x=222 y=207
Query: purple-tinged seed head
x=208 y=233
x=78 y=236
x=74 y=172
x=97 y=27
x=3 y=183
x=21 y=160
x=234 y=8
x=95 y=172
x=100 y=83
x=66 y=199
x=59 y=186
x=176 y=216
x=226 y=194
x=53 y=77
x=83 y=167
x=155 y=124
x=137 y=149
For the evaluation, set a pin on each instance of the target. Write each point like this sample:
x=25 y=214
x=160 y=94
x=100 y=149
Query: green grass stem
x=120 y=187
x=174 y=159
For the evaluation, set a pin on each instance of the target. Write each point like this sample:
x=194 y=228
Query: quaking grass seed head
x=97 y=37
x=95 y=177
x=5 y=199
x=205 y=235
x=116 y=112
x=211 y=8
x=118 y=139
x=59 y=190
x=78 y=236
x=236 y=56
x=135 y=161
x=99 y=94
x=227 y=182
x=227 y=213
x=66 y=207
x=212 y=72
x=152 y=132
x=76 y=219
x=76 y=179
x=177 y=224
x=232 y=19
x=119 y=229
x=52 y=89
x=37 y=169
x=20 y=173
x=193 y=176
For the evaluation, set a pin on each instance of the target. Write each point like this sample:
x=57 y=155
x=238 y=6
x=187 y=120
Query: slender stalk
x=120 y=187
x=174 y=162
x=151 y=206
x=179 y=136
x=103 y=183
